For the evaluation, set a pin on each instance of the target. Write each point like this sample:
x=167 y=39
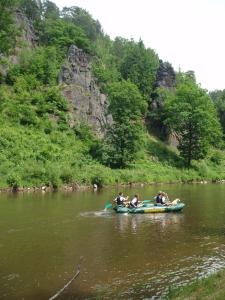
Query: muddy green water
x=42 y=237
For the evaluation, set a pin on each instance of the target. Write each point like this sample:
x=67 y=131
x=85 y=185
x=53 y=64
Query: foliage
x=8 y=30
x=218 y=98
x=80 y=17
x=13 y=180
x=32 y=9
x=125 y=137
x=126 y=101
x=62 y=34
x=42 y=63
x=84 y=132
x=160 y=152
x=140 y=65
x=157 y=113
x=191 y=114
x=50 y=10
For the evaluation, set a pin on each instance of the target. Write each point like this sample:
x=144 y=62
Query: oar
x=147 y=201
x=108 y=205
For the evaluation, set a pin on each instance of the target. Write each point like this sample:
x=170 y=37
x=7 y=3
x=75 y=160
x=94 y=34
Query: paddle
x=108 y=205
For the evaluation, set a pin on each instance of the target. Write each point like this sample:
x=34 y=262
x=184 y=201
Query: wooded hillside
x=77 y=107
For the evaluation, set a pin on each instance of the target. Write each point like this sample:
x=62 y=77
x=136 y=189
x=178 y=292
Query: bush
x=217 y=158
x=14 y=181
x=66 y=176
x=53 y=178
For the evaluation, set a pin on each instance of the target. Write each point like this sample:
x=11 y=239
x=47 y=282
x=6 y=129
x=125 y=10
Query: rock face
x=27 y=39
x=27 y=34
x=78 y=85
x=165 y=78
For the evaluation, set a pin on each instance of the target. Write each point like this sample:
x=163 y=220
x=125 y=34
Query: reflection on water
x=162 y=221
x=125 y=256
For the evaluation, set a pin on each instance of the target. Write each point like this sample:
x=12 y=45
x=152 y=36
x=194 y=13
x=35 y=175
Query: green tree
x=63 y=34
x=218 y=98
x=119 y=49
x=50 y=10
x=42 y=63
x=140 y=66
x=192 y=116
x=8 y=32
x=32 y=9
x=125 y=137
x=84 y=20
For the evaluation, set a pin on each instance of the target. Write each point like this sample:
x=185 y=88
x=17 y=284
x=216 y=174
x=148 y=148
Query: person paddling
x=134 y=201
x=120 y=199
x=162 y=198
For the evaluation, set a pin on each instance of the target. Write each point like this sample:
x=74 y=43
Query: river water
x=42 y=237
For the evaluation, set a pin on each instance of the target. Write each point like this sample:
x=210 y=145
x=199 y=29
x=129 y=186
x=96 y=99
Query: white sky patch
x=187 y=33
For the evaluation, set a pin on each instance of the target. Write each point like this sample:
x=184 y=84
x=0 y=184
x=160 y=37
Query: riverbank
x=77 y=187
x=59 y=161
x=210 y=288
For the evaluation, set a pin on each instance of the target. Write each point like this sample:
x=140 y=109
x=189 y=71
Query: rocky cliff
x=78 y=85
x=165 y=78
x=26 y=38
x=27 y=32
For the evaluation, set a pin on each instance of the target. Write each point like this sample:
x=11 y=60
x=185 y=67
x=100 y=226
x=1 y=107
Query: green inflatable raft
x=149 y=208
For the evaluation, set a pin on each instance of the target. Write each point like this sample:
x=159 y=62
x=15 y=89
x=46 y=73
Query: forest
x=39 y=146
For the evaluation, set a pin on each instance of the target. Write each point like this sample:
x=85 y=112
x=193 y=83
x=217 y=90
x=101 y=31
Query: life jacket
x=159 y=199
x=119 y=201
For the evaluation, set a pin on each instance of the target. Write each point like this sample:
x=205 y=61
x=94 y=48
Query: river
x=43 y=235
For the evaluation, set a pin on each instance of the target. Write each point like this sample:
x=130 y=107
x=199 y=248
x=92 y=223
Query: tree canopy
x=192 y=116
x=140 y=65
x=218 y=98
x=125 y=137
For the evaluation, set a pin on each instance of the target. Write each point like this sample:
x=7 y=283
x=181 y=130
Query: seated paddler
x=134 y=201
x=162 y=198
x=120 y=199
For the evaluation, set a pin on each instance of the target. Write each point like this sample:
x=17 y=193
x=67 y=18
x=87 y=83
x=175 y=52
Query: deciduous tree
x=125 y=137
x=192 y=116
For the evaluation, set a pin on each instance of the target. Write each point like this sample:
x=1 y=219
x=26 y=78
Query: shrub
x=66 y=176
x=217 y=158
x=14 y=181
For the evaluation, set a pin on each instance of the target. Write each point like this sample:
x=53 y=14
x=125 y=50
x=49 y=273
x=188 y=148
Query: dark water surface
x=42 y=237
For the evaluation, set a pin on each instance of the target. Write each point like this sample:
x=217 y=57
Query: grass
x=210 y=288
x=30 y=157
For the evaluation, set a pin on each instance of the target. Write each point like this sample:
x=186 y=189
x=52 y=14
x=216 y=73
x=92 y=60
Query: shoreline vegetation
x=210 y=288
x=76 y=187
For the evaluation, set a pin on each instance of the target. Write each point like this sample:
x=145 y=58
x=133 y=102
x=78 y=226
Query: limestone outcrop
x=27 y=38
x=165 y=78
x=27 y=31
x=87 y=103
